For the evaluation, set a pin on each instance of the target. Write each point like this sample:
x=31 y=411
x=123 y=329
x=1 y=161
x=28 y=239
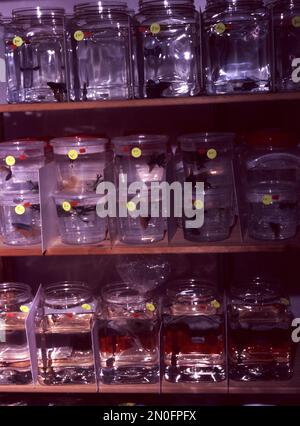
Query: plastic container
x=78 y=221
x=168 y=49
x=193 y=333
x=237 y=47
x=128 y=327
x=219 y=216
x=207 y=157
x=20 y=162
x=81 y=162
x=272 y=211
x=99 y=42
x=15 y=303
x=35 y=55
x=21 y=217
x=141 y=158
x=63 y=330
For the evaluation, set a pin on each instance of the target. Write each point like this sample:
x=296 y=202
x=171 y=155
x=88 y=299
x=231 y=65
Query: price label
x=79 y=35
x=131 y=207
x=136 y=152
x=219 y=28
x=150 y=307
x=267 y=200
x=73 y=154
x=66 y=206
x=155 y=28
x=86 y=307
x=20 y=210
x=24 y=309
x=18 y=41
x=215 y=304
x=212 y=154
x=10 y=160
x=285 y=301
x=296 y=21
x=198 y=204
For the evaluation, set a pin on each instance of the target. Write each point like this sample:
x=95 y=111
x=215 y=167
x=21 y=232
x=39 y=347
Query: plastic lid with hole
x=22 y=145
x=125 y=144
x=81 y=144
x=222 y=142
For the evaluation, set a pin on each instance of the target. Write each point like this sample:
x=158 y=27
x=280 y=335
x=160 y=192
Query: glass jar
x=168 y=49
x=81 y=162
x=140 y=158
x=286 y=22
x=193 y=333
x=219 y=216
x=128 y=326
x=64 y=341
x=99 y=43
x=21 y=161
x=78 y=220
x=35 y=56
x=207 y=157
x=272 y=211
x=259 y=332
x=15 y=303
x=237 y=46
x=21 y=217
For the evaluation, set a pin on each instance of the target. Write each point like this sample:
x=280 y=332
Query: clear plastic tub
x=272 y=211
x=78 y=220
x=141 y=158
x=20 y=162
x=20 y=215
x=219 y=216
x=81 y=162
x=207 y=158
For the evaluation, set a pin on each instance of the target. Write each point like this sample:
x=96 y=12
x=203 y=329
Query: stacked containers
x=237 y=46
x=140 y=160
x=81 y=162
x=99 y=46
x=15 y=303
x=271 y=169
x=19 y=198
x=168 y=49
x=207 y=159
x=35 y=56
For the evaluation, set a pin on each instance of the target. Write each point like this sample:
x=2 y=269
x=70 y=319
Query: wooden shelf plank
x=144 y=103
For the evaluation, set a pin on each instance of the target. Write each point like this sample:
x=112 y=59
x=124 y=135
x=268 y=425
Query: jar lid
x=82 y=144
x=83 y=198
x=271 y=192
x=12 y=293
x=38 y=12
x=67 y=294
x=21 y=197
x=22 y=145
x=140 y=140
x=103 y=6
x=221 y=141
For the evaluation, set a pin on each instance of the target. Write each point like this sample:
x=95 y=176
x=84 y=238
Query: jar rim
x=140 y=139
x=20 y=196
x=64 y=294
x=60 y=197
x=121 y=293
x=258 y=289
x=100 y=7
x=205 y=137
x=78 y=141
x=188 y=287
x=38 y=12
x=21 y=144
x=23 y=291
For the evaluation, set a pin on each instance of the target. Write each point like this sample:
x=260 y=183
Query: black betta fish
x=155 y=90
x=59 y=90
x=159 y=160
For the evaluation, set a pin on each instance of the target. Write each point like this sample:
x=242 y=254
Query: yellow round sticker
x=215 y=304
x=79 y=35
x=267 y=200
x=285 y=301
x=131 y=207
x=198 y=204
x=296 y=21
x=150 y=307
x=18 y=41
x=155 y=28
x=10 y=160
x=20 y=209
x=212 y=154
x=219 y=28
x=136 y=152
x=73 y=154
x=66 y=206
x=86 y=307
x=24 y=309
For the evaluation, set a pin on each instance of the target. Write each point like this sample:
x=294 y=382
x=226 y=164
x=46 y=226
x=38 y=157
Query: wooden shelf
x=144 y=103
x=6 y=250
x=66 y=389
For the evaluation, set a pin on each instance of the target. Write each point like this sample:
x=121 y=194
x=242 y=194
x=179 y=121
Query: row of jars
x=129 y=340
x=268 y=180
x=103 y=51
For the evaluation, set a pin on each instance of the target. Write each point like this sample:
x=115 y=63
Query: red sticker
x=82 y=150
x=74 y=203
x=275 y=197
x=22 y=157
x=202 y=151
x=26 y=205
x=125 y=149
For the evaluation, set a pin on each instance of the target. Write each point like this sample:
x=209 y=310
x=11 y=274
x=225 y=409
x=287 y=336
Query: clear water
x=65 y=353
x=26 y=171
x=237 y=60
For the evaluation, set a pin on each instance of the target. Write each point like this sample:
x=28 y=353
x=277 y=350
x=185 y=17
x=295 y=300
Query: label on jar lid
x=86 y=307
x=150 y=307
x=10 y=160
x=136 y=152
x=131 y=207
x=18 y=41
x=66 y=206
x=198 y=204
x=215 y=304
x=285 y=301
x=219 y=28
x=24 y=309
x=79 y=35
x=73 y=154
x=267 y=200
x=212 y=154
x=155 y=28
x=20 y=209
x=296 y=21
